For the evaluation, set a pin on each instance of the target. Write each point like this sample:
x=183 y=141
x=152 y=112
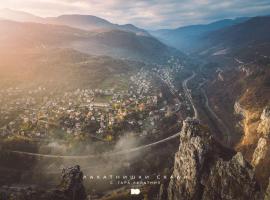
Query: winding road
x=188 y=94
x=108 y=154
x=226 y=131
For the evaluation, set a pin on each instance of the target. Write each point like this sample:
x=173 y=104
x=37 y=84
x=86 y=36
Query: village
x=101 y=114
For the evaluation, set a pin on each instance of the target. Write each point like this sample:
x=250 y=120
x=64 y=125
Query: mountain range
x=250 y=35
x=241 y=37
x=115 y=43
x=85 y=22
x=186 y=38
x=85 y=33
x=97 y=36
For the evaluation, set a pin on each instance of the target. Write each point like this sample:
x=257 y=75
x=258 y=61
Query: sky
x=148 y=14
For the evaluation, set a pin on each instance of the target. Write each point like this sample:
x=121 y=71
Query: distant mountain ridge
x=250 y=37
x=90 y=22
x=186 y=38
x=85 y=22
x=115 y=43
x=255 y=29
x=19 y=16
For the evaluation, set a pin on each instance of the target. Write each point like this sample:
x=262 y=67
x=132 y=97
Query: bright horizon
x=151 y=14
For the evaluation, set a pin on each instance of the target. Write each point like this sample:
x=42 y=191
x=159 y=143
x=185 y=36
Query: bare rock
x=72 y=183
x=238 y=109
x=204 y=169
x=264 y=126
x=261 y=151
x=233 y=179
x=189 y=162
x=261 y=155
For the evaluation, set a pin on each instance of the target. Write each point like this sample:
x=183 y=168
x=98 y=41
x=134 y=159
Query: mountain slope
x=239 y=87
x=248 y=36
x=185 y=38
x=85 y=22
x=120 y=44
x=127 y=45
x=19 y=16
x=89 y=22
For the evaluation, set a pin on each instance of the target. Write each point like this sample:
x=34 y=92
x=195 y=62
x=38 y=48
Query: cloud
x=150 y=14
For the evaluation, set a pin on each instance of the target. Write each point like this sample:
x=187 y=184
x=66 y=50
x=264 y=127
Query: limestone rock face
x=261 y=155
x=239 y=110
x=261 y=151
x=189 y=162
x=207 y=170
x=264 y=126
x=233 y=179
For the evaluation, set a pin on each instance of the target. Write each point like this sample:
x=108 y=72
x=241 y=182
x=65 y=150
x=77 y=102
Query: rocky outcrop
x=255 y=143
x=72 y=183
x=239 y=110
x=261 y=155
x=71 y=188
x=189 y=162
x=248 y=125
x=264 y=126
x=207 y=170
x=246 y=70
x=261 y=151
x=233 y=179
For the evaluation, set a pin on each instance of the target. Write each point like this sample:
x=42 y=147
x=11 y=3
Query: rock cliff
x=255 y=143
x=207 y=170
x=264 y=126
x=261 y=155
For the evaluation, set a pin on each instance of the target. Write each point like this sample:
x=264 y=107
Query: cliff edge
x=207 y=170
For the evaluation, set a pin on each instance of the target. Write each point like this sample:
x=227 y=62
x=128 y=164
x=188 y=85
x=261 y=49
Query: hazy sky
x=150 y=14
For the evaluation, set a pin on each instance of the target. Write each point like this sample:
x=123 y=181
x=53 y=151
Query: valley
x=121 y=101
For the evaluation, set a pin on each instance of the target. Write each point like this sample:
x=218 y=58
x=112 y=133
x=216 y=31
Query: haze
x=150 y=14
